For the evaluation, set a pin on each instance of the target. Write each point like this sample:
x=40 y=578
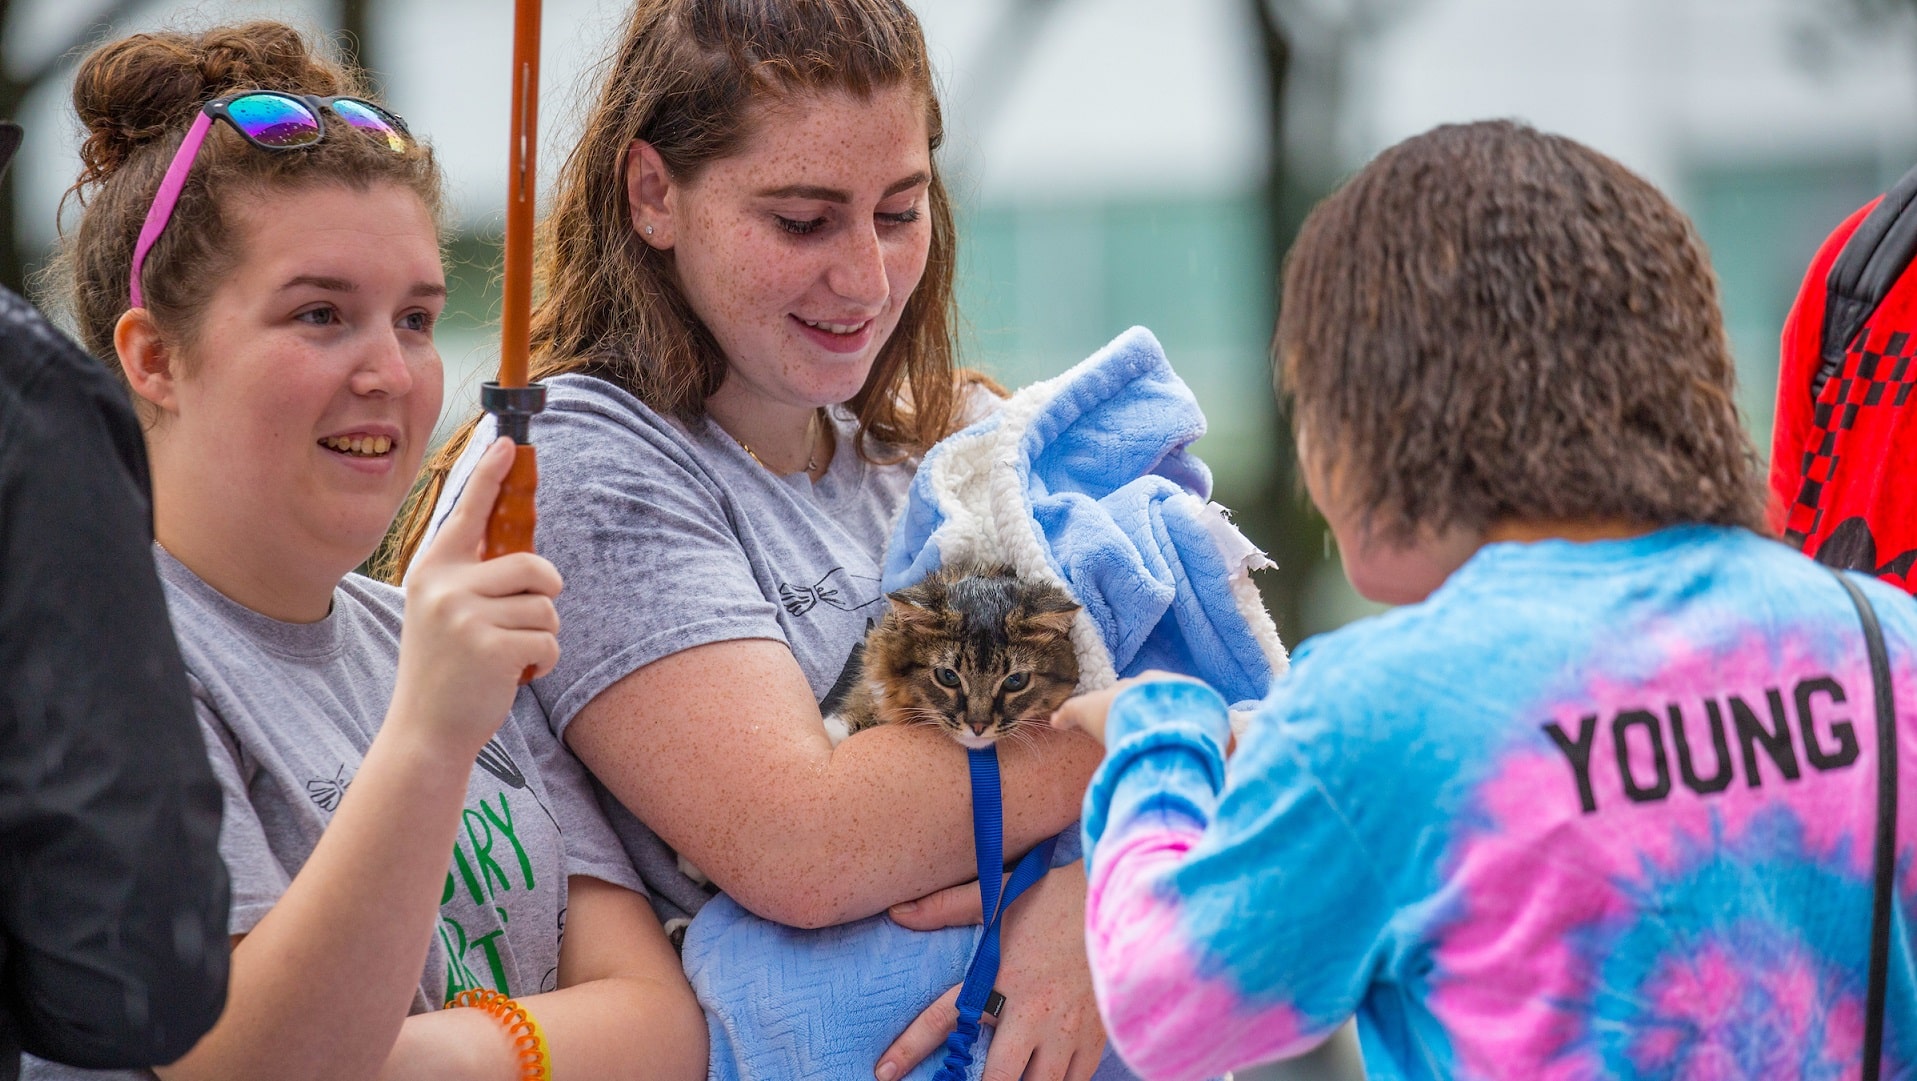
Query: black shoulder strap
x=1871 y=262
x=1885 y=863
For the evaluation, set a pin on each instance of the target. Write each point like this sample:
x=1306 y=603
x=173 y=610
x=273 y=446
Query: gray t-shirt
x=671 y=536
x=288 y=710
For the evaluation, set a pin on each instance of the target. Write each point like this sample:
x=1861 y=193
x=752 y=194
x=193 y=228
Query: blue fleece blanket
x=1085 y=480
x=783 y=1002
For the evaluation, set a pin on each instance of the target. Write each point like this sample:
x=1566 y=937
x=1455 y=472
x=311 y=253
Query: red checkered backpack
x=1843 y=466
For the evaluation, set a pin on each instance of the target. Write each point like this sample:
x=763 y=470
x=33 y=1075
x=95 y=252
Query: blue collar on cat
x=988 y=838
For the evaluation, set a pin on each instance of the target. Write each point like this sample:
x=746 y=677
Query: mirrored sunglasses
x=270 y=120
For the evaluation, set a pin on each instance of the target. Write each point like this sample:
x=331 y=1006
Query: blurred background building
x=1145 y=161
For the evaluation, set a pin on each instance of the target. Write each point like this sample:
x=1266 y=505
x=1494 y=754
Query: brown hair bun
x=137 y=90
x=138 y=96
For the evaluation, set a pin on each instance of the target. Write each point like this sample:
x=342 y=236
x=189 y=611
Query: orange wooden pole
x=510 y=527
x=515 y=319
x=510 y=400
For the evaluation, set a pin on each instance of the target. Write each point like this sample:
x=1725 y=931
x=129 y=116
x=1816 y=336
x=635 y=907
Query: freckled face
x=310 y=389
x=800 y=251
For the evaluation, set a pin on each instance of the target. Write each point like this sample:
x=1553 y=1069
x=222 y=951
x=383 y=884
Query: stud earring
x=648 y=230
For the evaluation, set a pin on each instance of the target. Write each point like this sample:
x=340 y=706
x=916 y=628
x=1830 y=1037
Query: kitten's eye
x=1016 y=681
x=946 y=677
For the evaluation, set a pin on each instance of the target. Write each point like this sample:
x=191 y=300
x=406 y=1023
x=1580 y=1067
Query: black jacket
x=113 y=899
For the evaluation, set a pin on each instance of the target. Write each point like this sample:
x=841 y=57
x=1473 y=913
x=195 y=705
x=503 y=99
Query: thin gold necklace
x=812 y=440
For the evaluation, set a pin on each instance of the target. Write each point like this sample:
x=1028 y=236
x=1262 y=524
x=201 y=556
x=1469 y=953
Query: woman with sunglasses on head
x=747 y=339
x=262 y=257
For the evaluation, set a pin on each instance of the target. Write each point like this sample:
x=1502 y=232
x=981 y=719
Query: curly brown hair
x=1489 y=323
x=692 y=77
x=136 y=97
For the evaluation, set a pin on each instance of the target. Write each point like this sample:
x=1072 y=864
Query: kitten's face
x=976 y=652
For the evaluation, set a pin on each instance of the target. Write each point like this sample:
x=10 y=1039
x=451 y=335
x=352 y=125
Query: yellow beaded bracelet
x=529 y=1044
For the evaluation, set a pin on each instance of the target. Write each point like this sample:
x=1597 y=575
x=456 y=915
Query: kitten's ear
x=912 y=613
x=1052 y=622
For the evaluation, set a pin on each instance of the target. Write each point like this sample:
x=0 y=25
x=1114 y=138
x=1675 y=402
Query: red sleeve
x=1803 y=332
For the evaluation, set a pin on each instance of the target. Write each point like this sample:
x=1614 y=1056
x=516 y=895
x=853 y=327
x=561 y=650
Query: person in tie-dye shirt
x=1598 y=801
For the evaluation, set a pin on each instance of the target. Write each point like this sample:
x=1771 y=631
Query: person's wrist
x=1145 y=706
x=451 y=1043
x=488 y=1049
x=1056 y=900
x=519 y=1043
x=419 y=747
x=1164 y=728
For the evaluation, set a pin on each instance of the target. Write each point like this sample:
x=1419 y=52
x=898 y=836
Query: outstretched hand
x=1086 y=712
x=473 y=624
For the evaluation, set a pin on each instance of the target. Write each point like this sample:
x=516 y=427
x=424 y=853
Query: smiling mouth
x=836 y=328
x=359 y=446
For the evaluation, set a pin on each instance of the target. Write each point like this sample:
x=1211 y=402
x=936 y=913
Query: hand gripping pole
x=511 y=524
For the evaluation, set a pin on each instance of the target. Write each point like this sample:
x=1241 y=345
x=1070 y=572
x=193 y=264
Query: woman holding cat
x=262 y=256
x=747 y=338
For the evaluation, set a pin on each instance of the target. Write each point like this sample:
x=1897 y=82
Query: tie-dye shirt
x=1594 y=810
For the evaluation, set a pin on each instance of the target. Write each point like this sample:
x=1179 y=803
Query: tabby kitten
x=974 y=649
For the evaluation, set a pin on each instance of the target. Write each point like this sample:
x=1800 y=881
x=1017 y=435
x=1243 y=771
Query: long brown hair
x=1492 y=323
x=690 y=77
x=136 y=97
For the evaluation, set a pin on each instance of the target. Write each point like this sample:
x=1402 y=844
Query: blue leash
x=988 y=836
